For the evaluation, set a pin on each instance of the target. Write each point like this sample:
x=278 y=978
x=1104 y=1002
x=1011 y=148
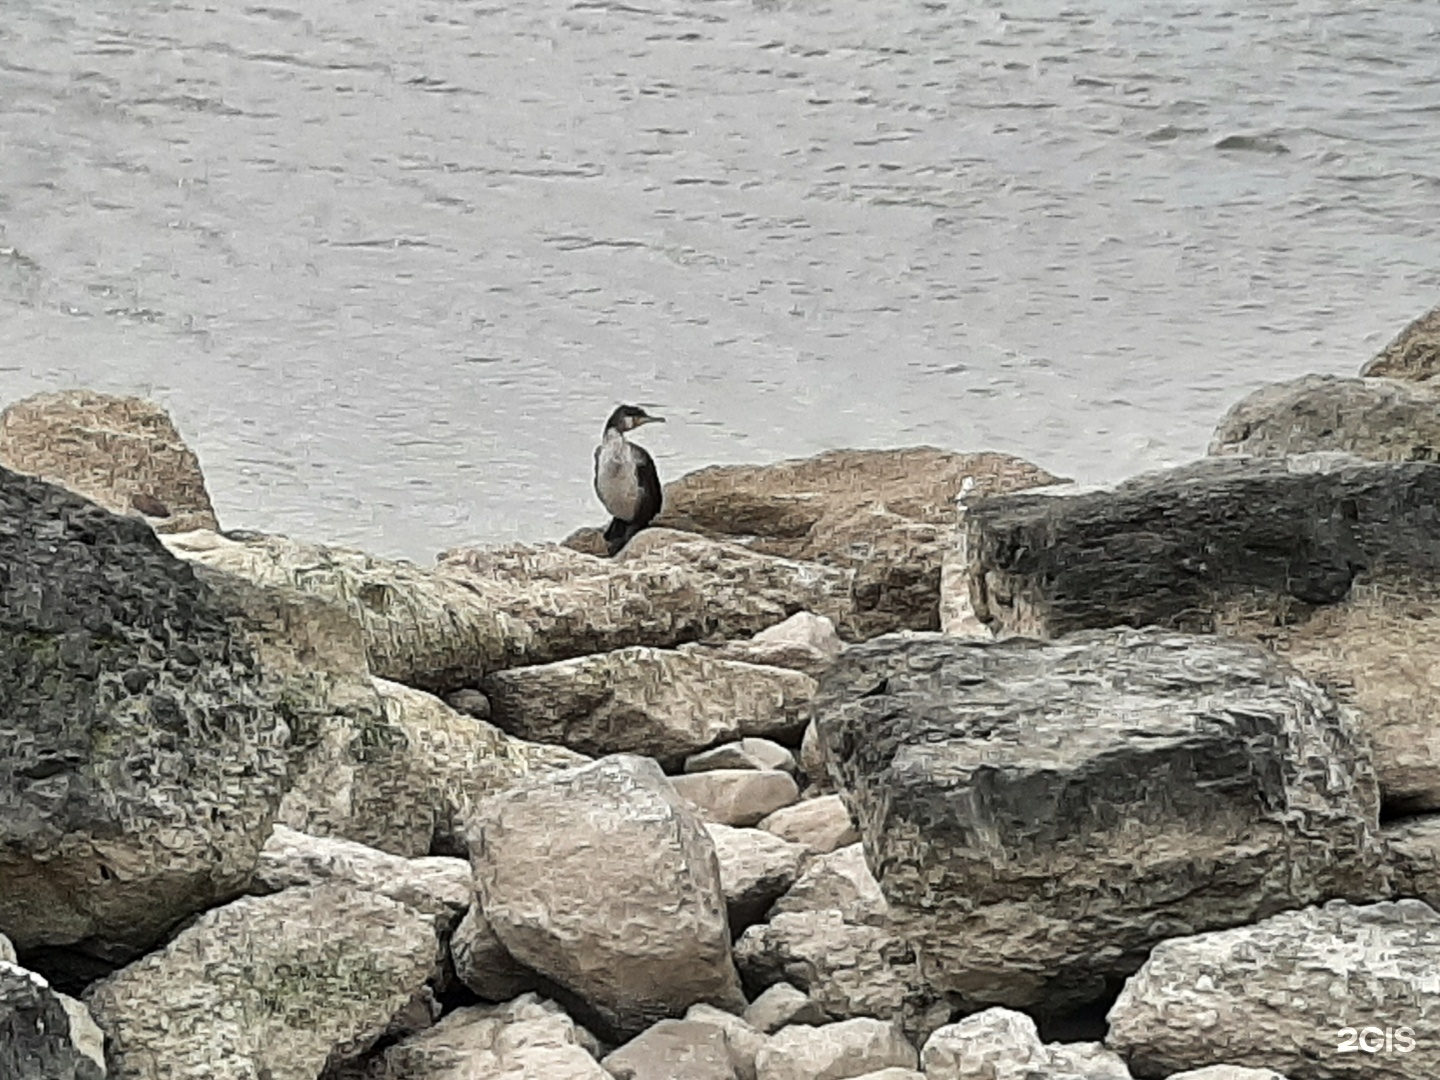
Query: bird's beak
x=642 y=420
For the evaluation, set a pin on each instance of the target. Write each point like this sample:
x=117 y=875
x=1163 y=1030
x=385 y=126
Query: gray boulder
x=1379 y=419
x=446 y=627
x=1293 y=993
x=1158 y=784
x=603 y=880
x=146 y=751
x=1337 y=569
x=45 y=1035
x=756 y=867
x=657 y=702
x=269 y=986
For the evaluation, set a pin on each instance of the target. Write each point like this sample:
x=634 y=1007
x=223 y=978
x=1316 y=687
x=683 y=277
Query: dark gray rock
x=45 y=1035
x=145 y=752
x=1040 y=815
x=1174 y=548
x=1379 y=419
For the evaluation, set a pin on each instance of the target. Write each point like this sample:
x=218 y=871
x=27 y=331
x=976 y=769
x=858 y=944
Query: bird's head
x=629 y=417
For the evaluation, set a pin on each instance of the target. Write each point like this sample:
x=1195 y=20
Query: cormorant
x=625 y=477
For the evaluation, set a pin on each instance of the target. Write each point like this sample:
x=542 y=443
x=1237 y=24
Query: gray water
x=390 y=264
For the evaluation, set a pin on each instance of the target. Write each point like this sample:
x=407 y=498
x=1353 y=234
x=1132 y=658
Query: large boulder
x=271 y=986
x=888 y=515
x=1042 y=814
x=145 y=748
x=1298 y=993
x=404 y=777
x=45 y=1035
x=839 y=1051
x=1338 y=568
x=604 y=881
x=1378 y=419
x=1414 y=353
x=446 y=627
x=121 y=452
x=657 y=702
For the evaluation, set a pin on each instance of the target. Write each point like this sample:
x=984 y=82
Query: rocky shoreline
x=894 y=765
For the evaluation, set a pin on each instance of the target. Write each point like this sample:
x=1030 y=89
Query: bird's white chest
x=617 y=478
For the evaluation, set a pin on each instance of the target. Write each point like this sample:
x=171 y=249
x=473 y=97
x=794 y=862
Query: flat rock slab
x=604 y=880
x=746 y=753
x=121 y=452
x=273 y=985
x=838 y=1051
x=1175 y=548
x=737 y=796
x=477 y=611
x=434 y=885
x=45 y=1035
x=657 y=702
x=674 y=1050
x=1378 y=419
x=1156 y=783
x=145 y=748
x=1281 y=995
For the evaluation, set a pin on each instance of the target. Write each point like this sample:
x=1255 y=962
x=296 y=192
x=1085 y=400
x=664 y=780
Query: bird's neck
x=613 y=437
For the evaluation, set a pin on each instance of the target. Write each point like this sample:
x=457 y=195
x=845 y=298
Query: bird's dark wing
x=651 y=497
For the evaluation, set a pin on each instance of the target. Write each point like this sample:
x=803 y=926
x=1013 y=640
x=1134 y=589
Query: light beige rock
x=893 y=1074
x=1000 y=1044
x=996 y=1044
x=782 y=1005
x=484 y=964
x=831 y=936
x=674 y=1050
x=657 y=702
x=737 y=796
x=278 y=983
x=755 y=869
x=822 y=825
x=888 y=514
x=747 y=753
x=446 y=627
x=839 y=1051
x=604 y=880
x=1277 y=994
x=804 y=642
x=438 y=885
x=47 y=1035
x=7 y=950
x=524 y=1039
x=745 y=1041
x=1227 y=1072
x=121 y=452
x=1413 y=354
